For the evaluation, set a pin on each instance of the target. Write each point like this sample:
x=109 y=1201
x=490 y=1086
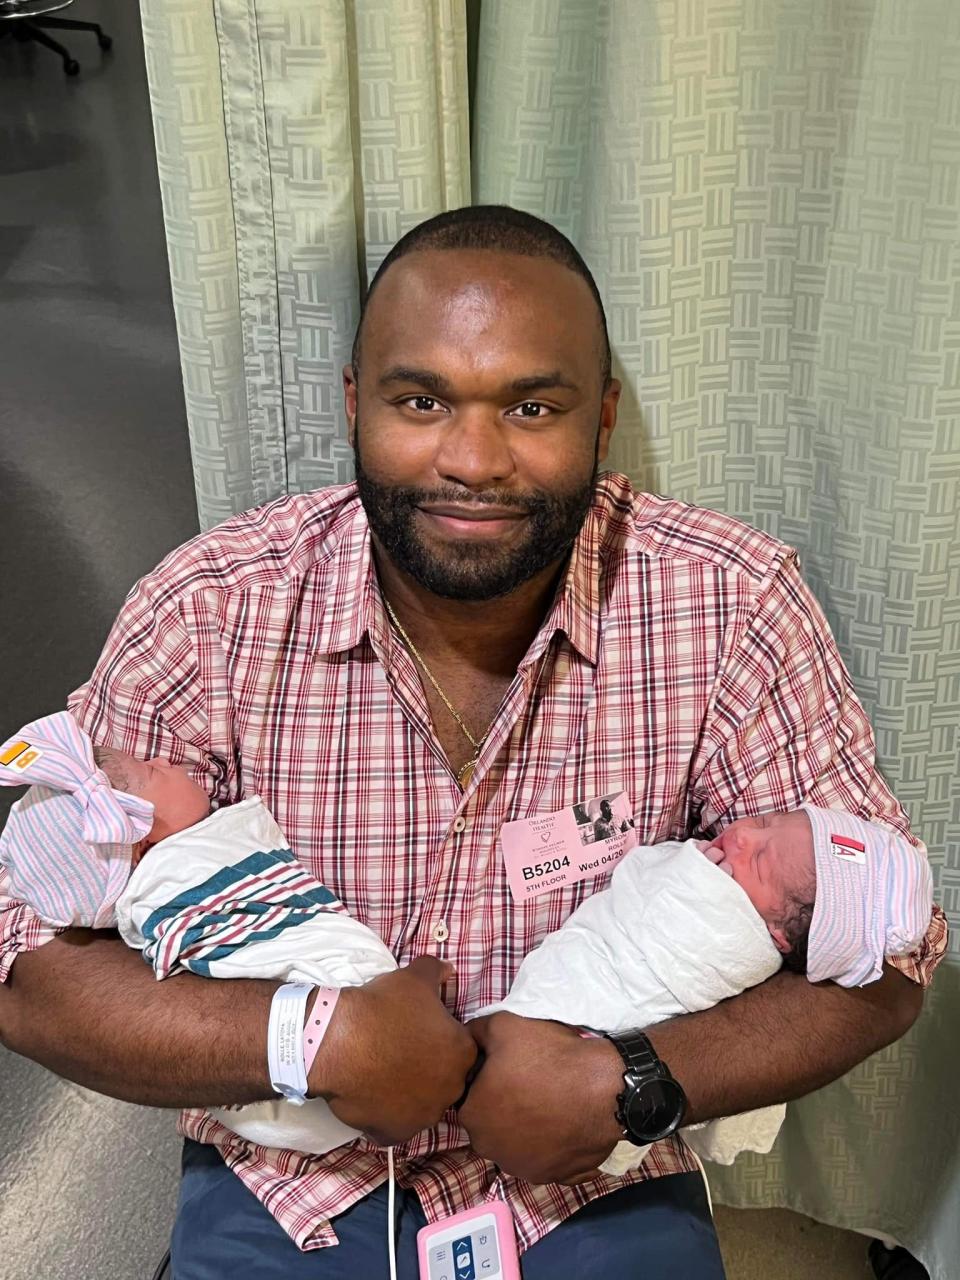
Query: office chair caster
x=71 y=67
x=105 y=42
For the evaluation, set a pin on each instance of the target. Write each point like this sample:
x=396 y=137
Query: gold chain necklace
x=466 y=773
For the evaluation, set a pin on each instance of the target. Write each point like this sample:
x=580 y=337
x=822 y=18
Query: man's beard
x=467 y=569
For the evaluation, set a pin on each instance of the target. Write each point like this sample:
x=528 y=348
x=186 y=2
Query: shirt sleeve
x=21 y=929
x=149 y=692
x=785 y=725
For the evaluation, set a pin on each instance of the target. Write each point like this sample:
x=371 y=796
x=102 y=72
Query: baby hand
x=711 y=849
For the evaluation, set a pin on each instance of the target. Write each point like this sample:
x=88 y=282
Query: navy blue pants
x=657 y=1230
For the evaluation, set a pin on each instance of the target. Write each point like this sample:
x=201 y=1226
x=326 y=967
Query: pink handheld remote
x=476 y=1244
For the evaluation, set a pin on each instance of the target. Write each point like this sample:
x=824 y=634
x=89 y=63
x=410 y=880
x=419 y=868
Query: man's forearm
x=392 y=1061
x=88 y=1008
x=781 y=1040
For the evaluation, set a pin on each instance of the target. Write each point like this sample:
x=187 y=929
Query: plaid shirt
x=683 y=660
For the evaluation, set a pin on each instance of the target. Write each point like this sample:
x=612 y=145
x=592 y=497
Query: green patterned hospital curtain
x=296 y=141
x=769 y=193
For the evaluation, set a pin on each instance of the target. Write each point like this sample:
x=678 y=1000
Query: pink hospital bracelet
x=315 y=1028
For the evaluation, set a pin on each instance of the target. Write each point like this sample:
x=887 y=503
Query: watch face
x=654 y=1109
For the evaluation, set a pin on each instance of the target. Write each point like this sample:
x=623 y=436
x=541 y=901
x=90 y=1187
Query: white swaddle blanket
x=672 y=934
x=228 y=899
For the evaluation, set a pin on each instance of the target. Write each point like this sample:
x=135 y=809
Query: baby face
x=178 y=802
x=771 y=857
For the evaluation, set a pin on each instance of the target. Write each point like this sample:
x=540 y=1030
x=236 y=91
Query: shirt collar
x=576 y=606
x=354 y=606
x=350 y=587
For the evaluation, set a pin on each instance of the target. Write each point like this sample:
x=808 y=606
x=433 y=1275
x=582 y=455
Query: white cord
x=703 y=1174
x=391 y=1219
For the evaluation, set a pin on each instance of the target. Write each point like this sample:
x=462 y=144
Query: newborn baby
x=71 y=858
x=682 y=925
x=105 y=840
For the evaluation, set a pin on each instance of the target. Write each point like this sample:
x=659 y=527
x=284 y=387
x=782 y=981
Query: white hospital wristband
x=285 y=1041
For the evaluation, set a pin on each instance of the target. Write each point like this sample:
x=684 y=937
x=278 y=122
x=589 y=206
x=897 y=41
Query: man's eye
x=531 y=409
x=422 y=404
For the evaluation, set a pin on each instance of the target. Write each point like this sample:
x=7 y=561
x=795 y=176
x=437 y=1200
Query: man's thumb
x=478 y=1029
x=431 y=970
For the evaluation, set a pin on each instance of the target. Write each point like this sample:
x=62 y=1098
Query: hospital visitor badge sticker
x=551 y=850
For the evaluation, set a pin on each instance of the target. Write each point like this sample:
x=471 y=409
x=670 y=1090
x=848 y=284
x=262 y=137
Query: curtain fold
x=769 y=195
x=296 y=141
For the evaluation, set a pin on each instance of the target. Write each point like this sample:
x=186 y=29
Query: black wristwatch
x=652 y=1104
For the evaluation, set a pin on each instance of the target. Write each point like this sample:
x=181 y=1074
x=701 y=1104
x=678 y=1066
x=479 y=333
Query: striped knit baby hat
x=67 y=845
x=874 y=897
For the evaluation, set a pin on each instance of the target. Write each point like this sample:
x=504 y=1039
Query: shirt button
x=458 y=825
x=440 y=931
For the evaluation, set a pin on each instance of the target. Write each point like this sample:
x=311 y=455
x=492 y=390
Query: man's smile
x=472 y=520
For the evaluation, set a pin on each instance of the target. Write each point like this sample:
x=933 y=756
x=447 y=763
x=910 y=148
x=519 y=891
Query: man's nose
x=474 y=451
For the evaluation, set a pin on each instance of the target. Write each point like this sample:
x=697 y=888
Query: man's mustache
x=525 y=502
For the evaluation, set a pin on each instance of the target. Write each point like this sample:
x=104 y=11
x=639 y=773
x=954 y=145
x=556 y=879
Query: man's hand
x=393 y=1059
x=542 y=1105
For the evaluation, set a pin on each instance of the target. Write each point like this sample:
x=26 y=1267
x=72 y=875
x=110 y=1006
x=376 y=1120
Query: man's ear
x=350 y=400
x=608 y=417
x=780 y=940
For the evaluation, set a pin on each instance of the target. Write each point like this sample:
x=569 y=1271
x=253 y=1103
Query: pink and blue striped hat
x=874 y=898
x=67 y=844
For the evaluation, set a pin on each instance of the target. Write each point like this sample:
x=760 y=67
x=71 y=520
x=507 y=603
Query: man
x=604 y=827
x=481 y=633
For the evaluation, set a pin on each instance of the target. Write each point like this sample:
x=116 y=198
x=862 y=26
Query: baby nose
x=739 y=842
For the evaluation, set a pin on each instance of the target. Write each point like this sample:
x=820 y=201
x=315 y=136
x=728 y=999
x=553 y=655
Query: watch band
x=642 y=1065
x=638 y=1053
